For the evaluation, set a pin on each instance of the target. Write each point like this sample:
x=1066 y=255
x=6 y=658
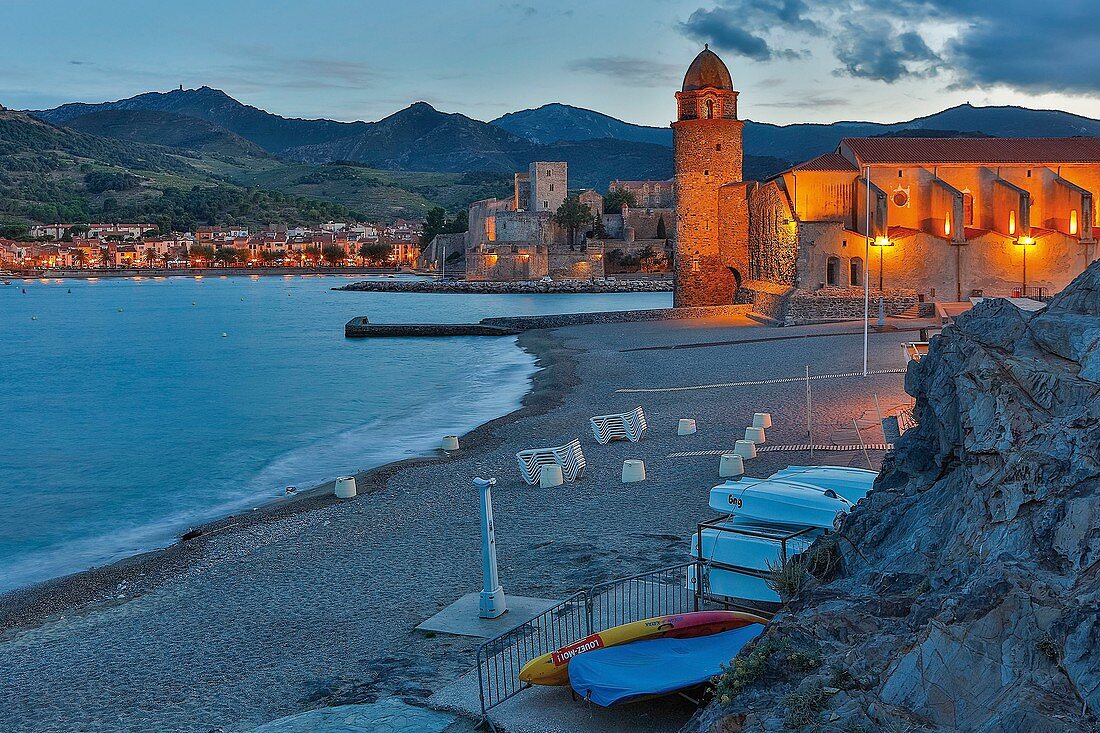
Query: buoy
x=224 y=334
x=450 y=442
x=633 y=471
x=686 y=427
x=34 y=318
x=119 y=310
x=550 y=476
x=70 y=291
x=345 y=487
x=291 y=489
x=756 y=435
x=745 y=449
x=192 y=302
x=731 y=464
x=762 y=420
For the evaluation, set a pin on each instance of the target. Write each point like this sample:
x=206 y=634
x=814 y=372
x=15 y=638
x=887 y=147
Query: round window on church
x=901 y=198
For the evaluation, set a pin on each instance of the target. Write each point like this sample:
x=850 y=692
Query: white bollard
x=551 y=476
x=731 y=464
x=745 y=449
x=762 y=420
x=345 y=487
x=633 y=471
x=756 y=435
x=492 y=602
x=686 y=427
x=450 y=442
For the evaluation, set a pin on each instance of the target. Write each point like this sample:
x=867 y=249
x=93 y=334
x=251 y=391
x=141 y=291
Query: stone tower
x=707 y=154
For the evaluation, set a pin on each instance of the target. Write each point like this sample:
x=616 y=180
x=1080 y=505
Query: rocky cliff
x=964 y=593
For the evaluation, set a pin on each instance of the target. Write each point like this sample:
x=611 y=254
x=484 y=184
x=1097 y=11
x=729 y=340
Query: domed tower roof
x=707 y=70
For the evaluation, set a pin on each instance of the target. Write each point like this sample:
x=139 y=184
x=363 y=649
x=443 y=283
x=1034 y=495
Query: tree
x=616 y=197
x=164 y=258
x=312 y=253
x=572 y=215
x=334 y=254
x=201 y=253
x=662 y=233
x=225 y=255
x=105 y=255
x=435 y=223
x=150 y=256
x=80 y=257
x=375 y=251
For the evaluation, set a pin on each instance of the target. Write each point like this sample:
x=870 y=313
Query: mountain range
x=421 y=157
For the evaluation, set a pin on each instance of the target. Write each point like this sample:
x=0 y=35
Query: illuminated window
x=1012 y=222
x=1073 y=221
x=855 y=276
x=947 y=225
x=709 y=109
x=968 y=208
x=718 y=147
x=832 y=271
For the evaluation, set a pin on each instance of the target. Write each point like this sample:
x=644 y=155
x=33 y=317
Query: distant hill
x=797 y=142
x=165 y=128
x=556 y=122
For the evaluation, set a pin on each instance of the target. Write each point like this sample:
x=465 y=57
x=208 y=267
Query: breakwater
x=478 y=287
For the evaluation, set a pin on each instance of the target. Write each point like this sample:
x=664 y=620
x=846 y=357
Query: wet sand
x=312 y=602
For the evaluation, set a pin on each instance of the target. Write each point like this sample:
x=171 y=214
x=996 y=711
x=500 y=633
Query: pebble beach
x=312 y=603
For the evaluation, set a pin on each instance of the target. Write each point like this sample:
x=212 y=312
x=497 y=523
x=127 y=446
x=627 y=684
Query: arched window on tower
x=832 y=272
x=709 y=109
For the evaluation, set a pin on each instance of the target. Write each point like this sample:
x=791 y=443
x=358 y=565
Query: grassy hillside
x=202 y=174
x=50 y=173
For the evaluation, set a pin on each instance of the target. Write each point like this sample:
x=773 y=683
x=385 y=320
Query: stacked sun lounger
x=568 y=456
x=623 y=426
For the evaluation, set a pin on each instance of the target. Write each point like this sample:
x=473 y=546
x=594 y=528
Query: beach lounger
x=623 y=426
x=568 y=456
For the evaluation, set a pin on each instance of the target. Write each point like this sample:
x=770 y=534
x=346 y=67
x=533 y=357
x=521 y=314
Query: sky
x=791 y=60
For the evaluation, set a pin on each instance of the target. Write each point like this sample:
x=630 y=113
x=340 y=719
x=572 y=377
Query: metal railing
x=661 y=592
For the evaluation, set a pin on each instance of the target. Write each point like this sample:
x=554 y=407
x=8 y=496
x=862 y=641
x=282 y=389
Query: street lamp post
x=1024 y=242
x=881 y=243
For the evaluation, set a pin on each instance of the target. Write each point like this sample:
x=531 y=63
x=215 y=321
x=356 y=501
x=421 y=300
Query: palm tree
x=80 y=257
x=150 y=256
x=105 y=255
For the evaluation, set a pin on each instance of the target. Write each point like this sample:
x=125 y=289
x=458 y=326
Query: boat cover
x=654 y=667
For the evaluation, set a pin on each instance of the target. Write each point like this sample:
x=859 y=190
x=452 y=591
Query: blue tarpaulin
x=654 y=667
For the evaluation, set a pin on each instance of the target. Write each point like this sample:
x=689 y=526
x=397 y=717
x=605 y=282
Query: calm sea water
x=128 y=417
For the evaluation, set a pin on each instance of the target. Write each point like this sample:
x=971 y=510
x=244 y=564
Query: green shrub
x=804 y=707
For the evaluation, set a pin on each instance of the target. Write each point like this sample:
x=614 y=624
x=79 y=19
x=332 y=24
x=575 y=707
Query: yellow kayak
x=553 y=668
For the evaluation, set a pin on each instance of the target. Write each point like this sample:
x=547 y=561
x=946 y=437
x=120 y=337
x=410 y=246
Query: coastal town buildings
x=116 y=245
x=946 y=218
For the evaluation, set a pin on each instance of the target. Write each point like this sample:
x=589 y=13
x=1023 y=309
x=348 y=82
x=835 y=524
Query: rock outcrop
x=964 y=592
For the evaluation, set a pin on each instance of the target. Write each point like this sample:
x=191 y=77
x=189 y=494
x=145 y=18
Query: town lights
x=1023 y=242
x=881 y=243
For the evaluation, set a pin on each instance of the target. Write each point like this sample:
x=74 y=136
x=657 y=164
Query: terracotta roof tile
x=981 y=150
x=826 y=162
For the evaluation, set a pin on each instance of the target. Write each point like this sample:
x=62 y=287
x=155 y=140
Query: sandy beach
x=311 y=603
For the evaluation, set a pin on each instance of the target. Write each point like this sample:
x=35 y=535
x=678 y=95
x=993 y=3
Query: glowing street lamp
x=881 y=243
x=1024 y=242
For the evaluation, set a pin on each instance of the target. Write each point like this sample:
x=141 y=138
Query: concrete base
x=461 y=617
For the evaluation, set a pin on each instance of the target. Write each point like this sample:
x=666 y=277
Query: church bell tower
x=707 y=156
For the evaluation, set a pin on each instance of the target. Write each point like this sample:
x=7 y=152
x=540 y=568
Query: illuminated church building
x=951 y=218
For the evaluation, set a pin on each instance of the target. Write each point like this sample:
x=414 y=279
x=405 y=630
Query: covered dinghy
x=655 y=667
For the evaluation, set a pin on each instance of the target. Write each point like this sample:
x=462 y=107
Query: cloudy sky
x=792 y=60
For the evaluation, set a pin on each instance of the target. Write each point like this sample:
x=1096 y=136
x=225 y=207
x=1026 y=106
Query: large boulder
x=966 y=588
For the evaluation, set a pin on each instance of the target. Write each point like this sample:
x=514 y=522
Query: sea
x=135 y=408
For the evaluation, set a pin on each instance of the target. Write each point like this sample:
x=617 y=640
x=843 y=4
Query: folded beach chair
x=623 y=426
x=568 y=456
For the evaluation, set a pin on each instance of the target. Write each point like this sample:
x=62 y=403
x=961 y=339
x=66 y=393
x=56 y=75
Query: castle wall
x=508 y=263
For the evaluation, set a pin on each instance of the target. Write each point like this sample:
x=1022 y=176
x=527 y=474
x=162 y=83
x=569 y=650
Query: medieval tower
x=711 y=200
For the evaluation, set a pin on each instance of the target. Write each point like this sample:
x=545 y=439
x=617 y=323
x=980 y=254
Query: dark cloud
x=807 y=101
x=630 y=70
x=1039 y=47
x=725 y=26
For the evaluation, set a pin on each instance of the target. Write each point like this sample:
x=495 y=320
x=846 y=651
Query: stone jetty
x=608 y=285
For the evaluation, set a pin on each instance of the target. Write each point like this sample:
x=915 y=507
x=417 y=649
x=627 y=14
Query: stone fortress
x=517 y=239
x=949 y=218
